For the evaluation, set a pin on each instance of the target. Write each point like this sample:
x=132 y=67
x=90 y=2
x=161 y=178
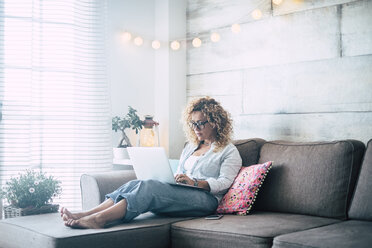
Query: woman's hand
x=182 y=178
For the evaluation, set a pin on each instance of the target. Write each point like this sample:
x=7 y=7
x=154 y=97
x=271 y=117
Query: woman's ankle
x=99 y=219
x=82 y=214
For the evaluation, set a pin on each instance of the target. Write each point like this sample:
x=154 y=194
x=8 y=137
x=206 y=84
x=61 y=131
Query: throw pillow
x=242 y=193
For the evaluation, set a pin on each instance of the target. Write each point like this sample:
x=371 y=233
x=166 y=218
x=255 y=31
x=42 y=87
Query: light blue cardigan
x=219 y=169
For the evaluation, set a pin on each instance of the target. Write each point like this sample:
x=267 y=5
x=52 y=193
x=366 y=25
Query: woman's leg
x=164 y=198
x=100 y=218
x=137 y=197
x=66 y=214
x=113 y=208
x=111 y=199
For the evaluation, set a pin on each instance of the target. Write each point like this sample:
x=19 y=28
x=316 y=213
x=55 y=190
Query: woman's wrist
x=195 y=182
x=203 y=184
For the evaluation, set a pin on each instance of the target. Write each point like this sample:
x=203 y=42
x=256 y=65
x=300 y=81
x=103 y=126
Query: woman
x=209 y=161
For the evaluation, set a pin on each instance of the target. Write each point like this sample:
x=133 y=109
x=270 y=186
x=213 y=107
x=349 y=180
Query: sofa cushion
x=249 y=150
x=345 y=234
x=242 y=193
x=310 y=178
x=361 y=205
x=256 y=229
x=48 y=230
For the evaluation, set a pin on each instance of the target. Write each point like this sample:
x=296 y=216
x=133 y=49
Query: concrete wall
x=302 y=72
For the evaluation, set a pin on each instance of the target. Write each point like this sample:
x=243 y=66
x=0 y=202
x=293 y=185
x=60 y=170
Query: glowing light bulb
x=126 y=36
x=155 y=44
x=215 y=37
x=235 y=28
x=277 y=2
x=196 y=42
x=256 y=14
x=175 y=45
x=138 y=41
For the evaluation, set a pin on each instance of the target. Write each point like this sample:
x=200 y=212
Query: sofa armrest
x=94 y=187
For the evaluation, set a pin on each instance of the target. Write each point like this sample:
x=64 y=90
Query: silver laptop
x=153 y=163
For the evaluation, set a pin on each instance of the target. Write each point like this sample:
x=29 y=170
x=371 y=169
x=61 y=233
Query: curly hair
x=215 y=114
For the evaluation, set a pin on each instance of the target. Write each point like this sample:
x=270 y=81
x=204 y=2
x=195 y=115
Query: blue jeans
x=163 y=199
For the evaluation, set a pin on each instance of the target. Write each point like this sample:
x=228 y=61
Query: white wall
x=131 y=68
x=302 y=72
x=151 y=81
x=170 y=90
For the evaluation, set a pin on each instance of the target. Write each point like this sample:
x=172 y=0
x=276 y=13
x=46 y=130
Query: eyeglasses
x=199 y=125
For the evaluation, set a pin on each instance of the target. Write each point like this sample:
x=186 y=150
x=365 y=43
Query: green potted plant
x=30 y=193
x=130 y=120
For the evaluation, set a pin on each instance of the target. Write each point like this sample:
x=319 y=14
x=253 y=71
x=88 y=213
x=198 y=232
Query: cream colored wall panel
x=225 y=83
x=342 y=84
x=356 y=28
x=305 y=127
x=291 y=6
x=206 y=15
x=279 y=40
x=302 y=79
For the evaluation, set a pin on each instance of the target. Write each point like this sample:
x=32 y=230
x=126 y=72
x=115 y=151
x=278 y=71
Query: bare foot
x=66 y=214
x=88 y=222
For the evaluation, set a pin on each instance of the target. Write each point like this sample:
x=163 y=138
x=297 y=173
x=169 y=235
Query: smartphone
x=214 y=217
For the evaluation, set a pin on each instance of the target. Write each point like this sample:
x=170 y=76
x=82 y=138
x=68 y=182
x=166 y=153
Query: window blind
x=54 y=92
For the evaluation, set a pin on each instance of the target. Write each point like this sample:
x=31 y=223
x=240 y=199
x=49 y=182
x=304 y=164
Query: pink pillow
x=242 y=193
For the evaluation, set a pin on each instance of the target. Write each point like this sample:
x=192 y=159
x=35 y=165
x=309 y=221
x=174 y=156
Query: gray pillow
x=249 y=150
x=310 y=178
x=361 y=205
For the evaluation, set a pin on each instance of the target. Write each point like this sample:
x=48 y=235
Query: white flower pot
x=120 y=153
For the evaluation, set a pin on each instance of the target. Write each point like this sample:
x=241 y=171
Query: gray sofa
x=316 y=195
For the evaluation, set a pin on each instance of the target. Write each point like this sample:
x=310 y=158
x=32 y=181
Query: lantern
x=149 y=134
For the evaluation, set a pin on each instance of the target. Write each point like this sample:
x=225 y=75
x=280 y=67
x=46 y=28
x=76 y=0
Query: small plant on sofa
x=31 y=190
x=131 y=120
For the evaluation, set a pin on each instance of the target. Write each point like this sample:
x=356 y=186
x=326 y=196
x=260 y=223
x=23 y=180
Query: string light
x=126 y=36
x=235 y=28
x=175 y=45
x=215 y=37
x=155 y=44
x=138 y=41
x=256 y=14
x=196 y=42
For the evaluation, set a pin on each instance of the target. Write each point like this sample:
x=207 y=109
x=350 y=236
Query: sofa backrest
x=361 y=204
x=310 y=178
x=249 y=150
